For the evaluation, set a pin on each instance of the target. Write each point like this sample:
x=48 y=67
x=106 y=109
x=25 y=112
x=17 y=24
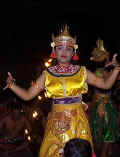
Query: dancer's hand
x=10 y=81
x=113 y=62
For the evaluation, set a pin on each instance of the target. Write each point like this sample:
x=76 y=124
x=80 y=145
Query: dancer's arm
x=31 y=92
x=100 y=82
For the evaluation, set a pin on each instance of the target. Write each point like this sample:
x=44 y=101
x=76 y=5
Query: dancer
x=103 y=117
x=64 y=83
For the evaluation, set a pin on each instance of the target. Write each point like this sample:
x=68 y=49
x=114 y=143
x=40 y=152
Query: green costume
x=103 y=117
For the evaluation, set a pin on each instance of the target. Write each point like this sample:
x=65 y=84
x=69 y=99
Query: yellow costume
x=66 y=121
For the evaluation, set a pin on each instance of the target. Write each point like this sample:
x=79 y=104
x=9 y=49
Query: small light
x=50 y=60
x=35 y=114
x=45 y=94
x=26 y=131
x=29 y=138
x=39 y=97
x=47 y=64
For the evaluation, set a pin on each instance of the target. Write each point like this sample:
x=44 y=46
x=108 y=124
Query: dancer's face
x=64 y=54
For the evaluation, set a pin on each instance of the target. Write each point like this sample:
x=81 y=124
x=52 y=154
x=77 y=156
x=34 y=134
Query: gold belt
x=97 y=97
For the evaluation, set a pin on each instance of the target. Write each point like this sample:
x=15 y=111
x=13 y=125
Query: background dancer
x=103 y=117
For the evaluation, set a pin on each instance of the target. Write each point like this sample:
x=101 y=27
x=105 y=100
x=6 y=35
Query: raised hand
x=10 y=81
x=113 y=62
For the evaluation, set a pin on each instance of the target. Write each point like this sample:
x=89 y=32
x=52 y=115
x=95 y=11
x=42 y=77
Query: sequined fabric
x=64 y=123
x=63 y=69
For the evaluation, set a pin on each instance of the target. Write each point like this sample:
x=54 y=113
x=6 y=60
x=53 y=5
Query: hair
x=100 y=64
x=77 y=148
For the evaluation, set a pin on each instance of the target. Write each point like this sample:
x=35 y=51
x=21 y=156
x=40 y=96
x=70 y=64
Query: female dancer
x=103 y=117
x=64 y=83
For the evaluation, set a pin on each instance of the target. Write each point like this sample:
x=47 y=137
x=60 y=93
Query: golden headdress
x=64 y=38
x=99 y=54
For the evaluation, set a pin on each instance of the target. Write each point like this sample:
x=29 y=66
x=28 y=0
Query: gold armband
x=11 y=83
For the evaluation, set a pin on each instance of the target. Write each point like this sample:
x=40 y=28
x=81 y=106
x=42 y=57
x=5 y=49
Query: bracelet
x=116 y=68
x=11 y=84
x=35 y=85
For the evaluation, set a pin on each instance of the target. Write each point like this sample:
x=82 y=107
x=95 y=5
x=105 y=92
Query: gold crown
x=64 y=38
x=99 y=54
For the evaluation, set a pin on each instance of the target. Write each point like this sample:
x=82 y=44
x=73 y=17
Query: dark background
x=26 y=34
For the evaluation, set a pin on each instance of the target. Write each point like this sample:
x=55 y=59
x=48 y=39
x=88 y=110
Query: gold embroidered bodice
x=60 y=86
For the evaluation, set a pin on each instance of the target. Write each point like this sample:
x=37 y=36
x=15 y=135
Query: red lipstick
x=64 y=56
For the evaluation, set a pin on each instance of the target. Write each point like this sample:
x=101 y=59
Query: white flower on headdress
x=52 y=44
x=75 y=46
